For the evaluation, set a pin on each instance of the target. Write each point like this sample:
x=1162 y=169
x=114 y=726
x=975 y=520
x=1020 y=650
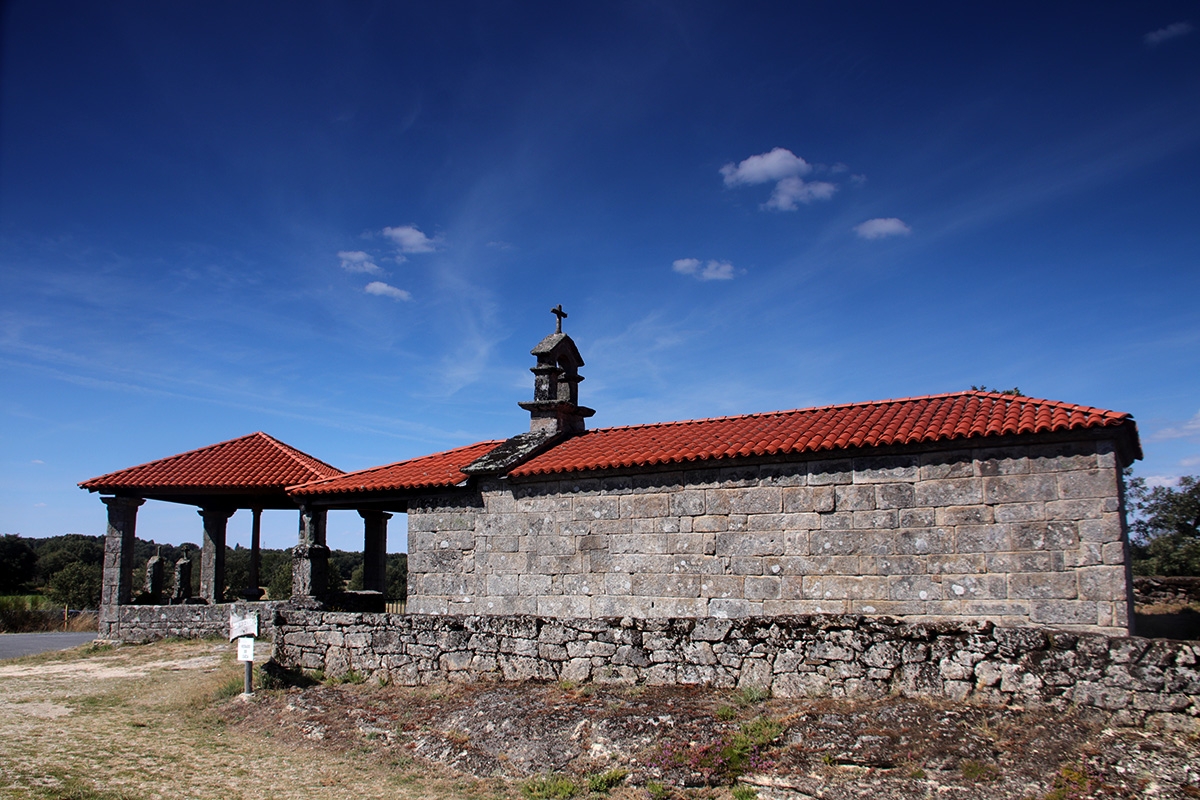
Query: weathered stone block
x=1019 y=512
x=885 y=469
x=854 y=498
x=823 y=473
x=895 y=495
x=917 y=517
x=756 y=500
x=949 y=492
x=710 y=524
x=591 y=507
x=1043 y=585
x=1020 y=488
x=875 y=520
x=750 y=544
x=666 y=585
x=913 y=587
x=922 y=541
x=645 y=505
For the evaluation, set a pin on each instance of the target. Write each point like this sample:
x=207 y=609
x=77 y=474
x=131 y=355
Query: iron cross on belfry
x=558 y=312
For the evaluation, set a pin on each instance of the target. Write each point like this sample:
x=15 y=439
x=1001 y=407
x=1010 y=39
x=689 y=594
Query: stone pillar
x=117 y=581
x=253 y=590
x=310 y=559
x=212 y=556
x=154 y=579
x=375 y=550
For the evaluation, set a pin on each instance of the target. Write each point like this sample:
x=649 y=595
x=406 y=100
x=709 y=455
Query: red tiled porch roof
x=427 y=472
x=913 y=420
x=253 y=462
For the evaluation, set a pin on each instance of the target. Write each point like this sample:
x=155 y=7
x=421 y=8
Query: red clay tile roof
x=256 y=461
x=962 y=415
x=437 y=470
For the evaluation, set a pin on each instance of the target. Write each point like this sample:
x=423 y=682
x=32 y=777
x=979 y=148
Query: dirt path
x=142 y=722
x=163 y=721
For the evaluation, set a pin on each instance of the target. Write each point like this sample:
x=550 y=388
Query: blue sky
x=345 y=223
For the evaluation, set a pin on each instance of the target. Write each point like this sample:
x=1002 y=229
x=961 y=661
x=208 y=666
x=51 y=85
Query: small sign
x=242 y=624
x=245 y=648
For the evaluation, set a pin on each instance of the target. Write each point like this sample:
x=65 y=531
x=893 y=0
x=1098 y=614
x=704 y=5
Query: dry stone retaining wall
x=819 y=656
x=1030 y=533
x=137 y=623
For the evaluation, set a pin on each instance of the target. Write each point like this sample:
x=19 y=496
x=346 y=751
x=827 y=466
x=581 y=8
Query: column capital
x=127 y=502
x=373 y=514
x=219 y=512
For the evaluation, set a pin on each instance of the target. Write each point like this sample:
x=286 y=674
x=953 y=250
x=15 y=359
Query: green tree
x=76 y=585
x=397 y=576
x=18 y=561
x=1165 y=527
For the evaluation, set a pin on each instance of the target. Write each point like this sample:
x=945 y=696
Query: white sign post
x=244 y=627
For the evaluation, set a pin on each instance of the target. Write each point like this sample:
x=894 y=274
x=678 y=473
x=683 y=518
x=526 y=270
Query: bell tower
x=554 y=411
x=555 y=406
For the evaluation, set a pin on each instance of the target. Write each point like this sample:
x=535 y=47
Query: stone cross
x=558 y=312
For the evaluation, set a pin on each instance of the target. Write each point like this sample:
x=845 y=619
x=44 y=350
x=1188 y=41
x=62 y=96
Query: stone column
x=252 y=590
x=212 y=556
x=375 y=550
x=117 y=581
x=310 y=559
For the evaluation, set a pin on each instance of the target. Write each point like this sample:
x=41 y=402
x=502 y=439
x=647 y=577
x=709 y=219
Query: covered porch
x=254 y=473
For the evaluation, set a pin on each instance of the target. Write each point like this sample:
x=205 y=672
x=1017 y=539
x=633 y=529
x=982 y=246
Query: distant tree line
x=67 y=569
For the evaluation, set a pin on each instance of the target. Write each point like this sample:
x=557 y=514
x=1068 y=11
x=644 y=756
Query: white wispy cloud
x=790 y=191
x=785 y=169
x=358 y=261
x=1190 y=462
x=1161 y=480
x=37 y=461
x=387 y=290
x=1184 y=431
x=881 y=227
x=410 y=239
x=711 y=271
x=1172 y=31
x=765 y=167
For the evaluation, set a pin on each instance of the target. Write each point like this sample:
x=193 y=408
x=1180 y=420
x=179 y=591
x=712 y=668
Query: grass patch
x=657 y=791
x=353 y=677
x=230 y=687
x=550 y=787
x=751 y=695
x=726 y=713
x=743 y=792
x=603 y=782
x=978 y=772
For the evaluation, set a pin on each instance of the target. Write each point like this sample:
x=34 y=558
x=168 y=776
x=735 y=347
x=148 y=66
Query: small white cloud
x=1161 y=480
x=386 y=290
x=501 y=245
x=1190 y=462
x=358 y=261
x=778 y=164
x=790 y=191
x=881 y=227
x=1184 y=431
x=39 y=505
x=695 y=268
x=37 y=461
x=410 y=239
x=1172 y=31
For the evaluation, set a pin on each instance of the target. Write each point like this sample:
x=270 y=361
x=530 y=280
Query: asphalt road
x=23 y=644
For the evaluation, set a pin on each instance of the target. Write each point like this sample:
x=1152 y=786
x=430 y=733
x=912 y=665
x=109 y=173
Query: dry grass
x=143 y=722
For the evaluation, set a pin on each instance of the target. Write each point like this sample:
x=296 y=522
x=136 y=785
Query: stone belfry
x=555 y=406
x=554 y=411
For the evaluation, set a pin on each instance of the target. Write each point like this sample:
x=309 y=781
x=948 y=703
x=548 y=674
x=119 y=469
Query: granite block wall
x=1140 y=680
x=1021 y=534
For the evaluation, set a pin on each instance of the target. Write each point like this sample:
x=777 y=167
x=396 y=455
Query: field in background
x=33 y=614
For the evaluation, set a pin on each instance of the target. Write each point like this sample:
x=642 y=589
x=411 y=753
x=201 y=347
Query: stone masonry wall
x=1140 y=679
x=136 y=623
x=1017 y=535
